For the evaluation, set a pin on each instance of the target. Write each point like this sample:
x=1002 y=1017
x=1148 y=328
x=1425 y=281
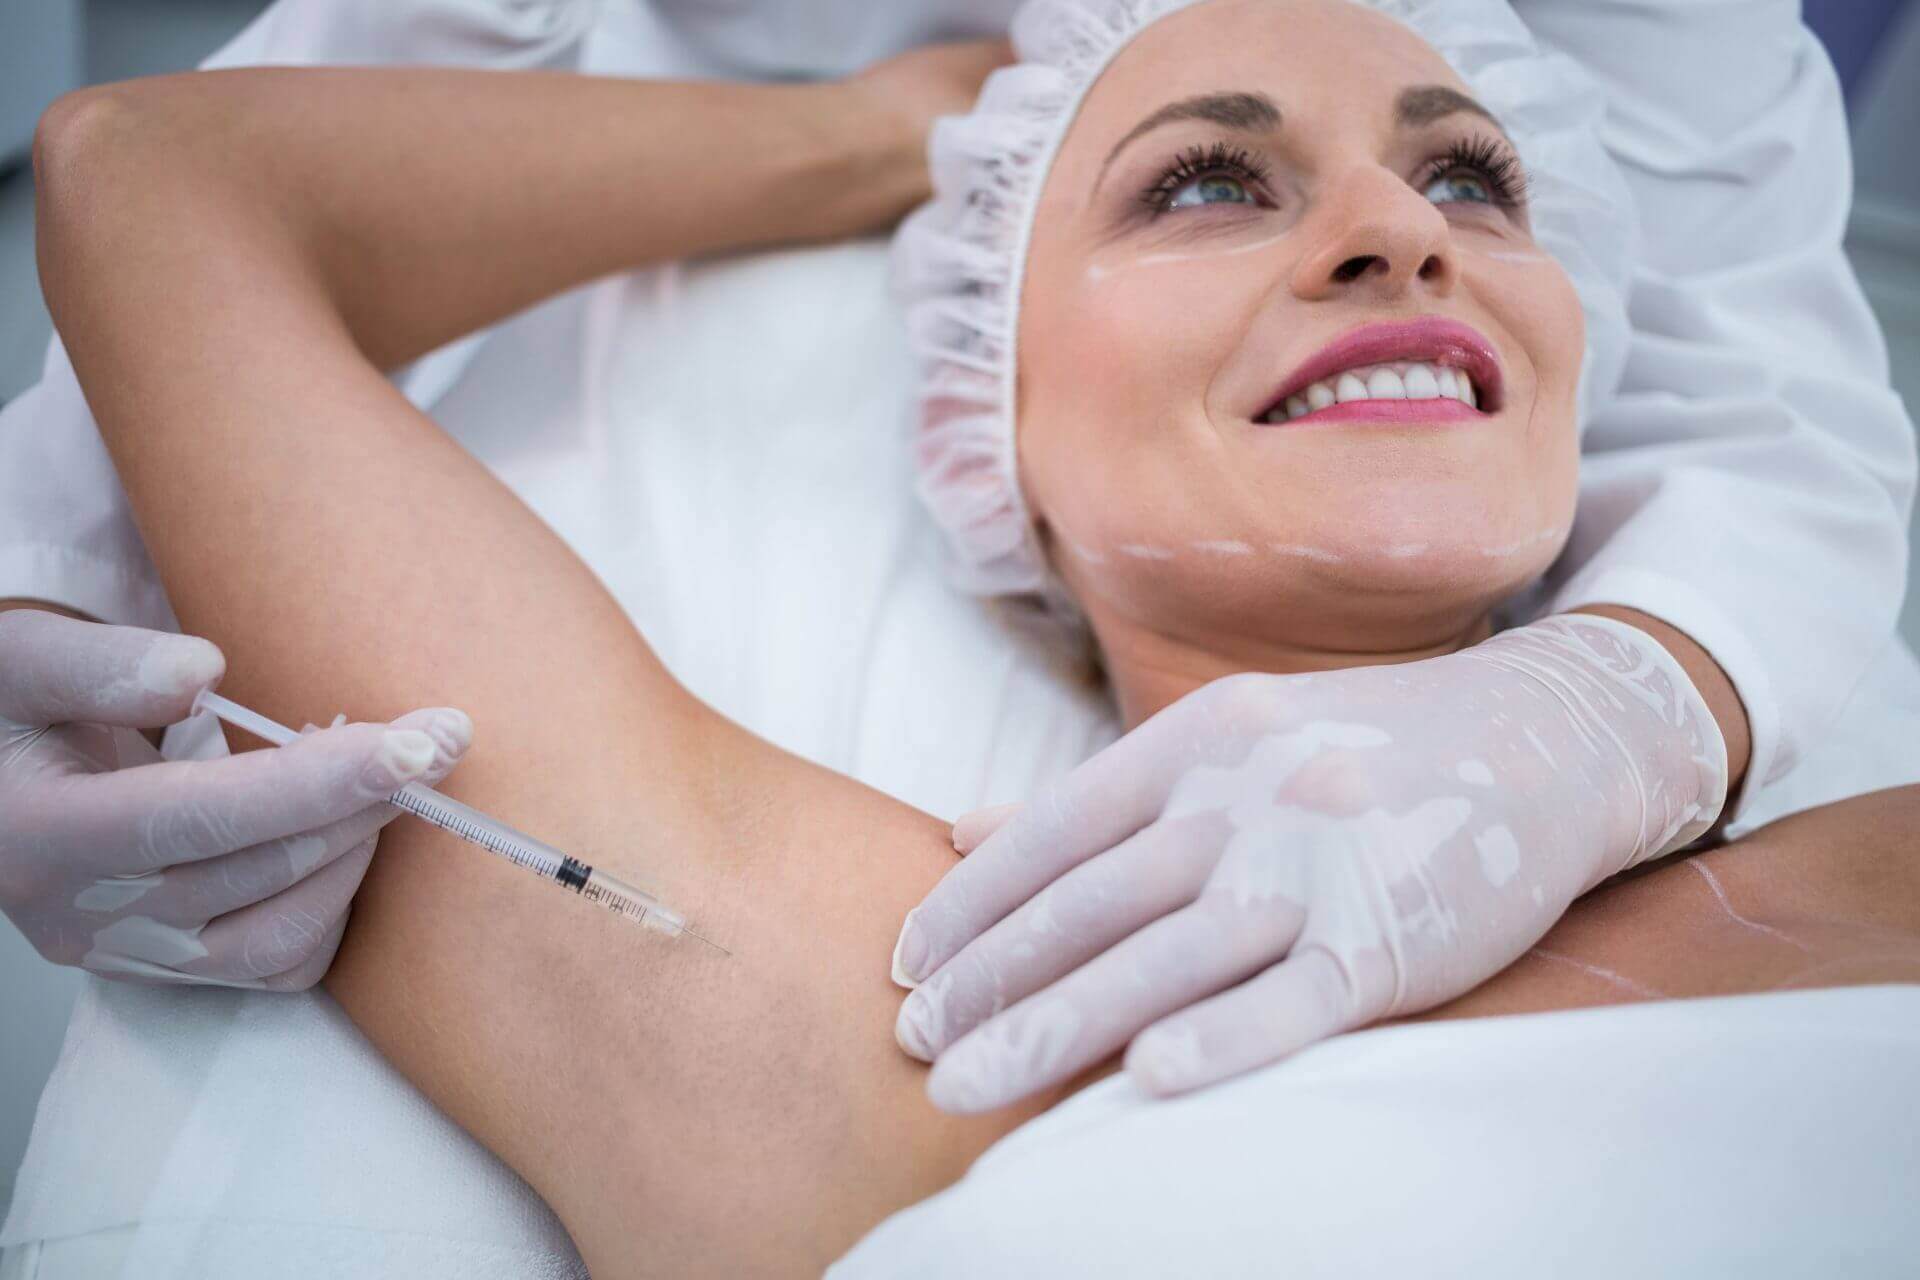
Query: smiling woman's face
x=1257 y=197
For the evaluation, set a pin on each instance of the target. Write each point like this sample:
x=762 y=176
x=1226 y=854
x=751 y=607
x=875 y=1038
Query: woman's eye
x=1214 y=188
x=1460 y=185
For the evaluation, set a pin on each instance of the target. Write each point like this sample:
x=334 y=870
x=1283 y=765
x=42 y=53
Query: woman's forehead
x=1306 y=57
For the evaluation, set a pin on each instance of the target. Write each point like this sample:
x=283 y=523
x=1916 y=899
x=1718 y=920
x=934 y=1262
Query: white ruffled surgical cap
x=958 y=260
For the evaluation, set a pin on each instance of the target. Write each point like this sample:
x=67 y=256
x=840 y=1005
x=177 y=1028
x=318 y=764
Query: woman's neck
x=1151 y=669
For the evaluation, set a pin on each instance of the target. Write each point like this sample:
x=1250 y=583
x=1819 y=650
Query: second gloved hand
x=1276 y=859
x=237 y=872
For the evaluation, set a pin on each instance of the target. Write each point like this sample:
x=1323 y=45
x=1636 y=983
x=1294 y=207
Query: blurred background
x=50 y=46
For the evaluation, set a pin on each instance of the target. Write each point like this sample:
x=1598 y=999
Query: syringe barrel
x=470 y=824
x=633 y=903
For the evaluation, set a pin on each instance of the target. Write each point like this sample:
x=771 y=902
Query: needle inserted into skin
x=709 y=941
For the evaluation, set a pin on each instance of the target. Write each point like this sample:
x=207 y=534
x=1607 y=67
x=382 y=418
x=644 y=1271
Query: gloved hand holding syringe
x=477 y=828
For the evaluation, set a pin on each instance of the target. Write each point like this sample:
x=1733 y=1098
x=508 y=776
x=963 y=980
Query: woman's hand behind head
x=913 y=89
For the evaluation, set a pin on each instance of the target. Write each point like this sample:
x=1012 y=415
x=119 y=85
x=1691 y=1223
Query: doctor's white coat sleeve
x=66 y=533
x=1751 y=480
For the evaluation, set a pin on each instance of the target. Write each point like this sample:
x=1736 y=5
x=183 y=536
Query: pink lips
x=1431 y=340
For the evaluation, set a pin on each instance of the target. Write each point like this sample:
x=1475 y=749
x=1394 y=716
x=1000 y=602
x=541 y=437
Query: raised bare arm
x=746 y=1116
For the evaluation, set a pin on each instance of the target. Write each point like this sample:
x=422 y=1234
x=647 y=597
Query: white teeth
x=1406 y=380
x=1385 y=384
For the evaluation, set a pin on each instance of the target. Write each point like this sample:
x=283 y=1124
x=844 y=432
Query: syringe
x=496 y=837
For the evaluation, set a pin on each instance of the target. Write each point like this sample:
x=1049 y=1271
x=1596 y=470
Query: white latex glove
x=1276 y=859
x=236 y=872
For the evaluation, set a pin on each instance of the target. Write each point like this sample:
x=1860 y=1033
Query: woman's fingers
x=1303 y=999
x=285 y=931
x=309 y=971
x=57 y=670
x=1050 y=1037
x=1084 y=912
x=196 y=892
x=1089 y=811
x=972 y=829
x=160 y=815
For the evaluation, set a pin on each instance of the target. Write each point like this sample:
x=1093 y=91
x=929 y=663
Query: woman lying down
x=233 y=259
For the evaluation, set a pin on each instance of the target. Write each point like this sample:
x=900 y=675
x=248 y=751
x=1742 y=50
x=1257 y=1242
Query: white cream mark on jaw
x=1140 y=551
x=1224 y=547
x=1605 y=975
x=1726 y=905
x=1320 y=554
x=1406 y=550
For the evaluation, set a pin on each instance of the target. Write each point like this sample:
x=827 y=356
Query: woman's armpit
x=747 y=1113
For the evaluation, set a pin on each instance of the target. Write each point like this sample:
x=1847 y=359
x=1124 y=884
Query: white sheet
x=1756 y=1136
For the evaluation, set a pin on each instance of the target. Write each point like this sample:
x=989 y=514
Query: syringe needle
x=709 y=941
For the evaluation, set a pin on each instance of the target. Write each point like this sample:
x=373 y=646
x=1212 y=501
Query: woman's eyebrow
x=1244 y=111
x=1251 y=112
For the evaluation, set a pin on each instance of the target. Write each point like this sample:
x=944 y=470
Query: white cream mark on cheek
x=1474 y=771
x=1318 y=554
x=1405 y=550
x=1499 y=855
x=113 y=894
x=1511 y=255
x=1224 y=547
x=1097 y=272
x=1141 y=551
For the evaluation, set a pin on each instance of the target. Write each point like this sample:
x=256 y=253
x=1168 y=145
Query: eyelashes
x=1496 y=165
x=1200 y=162
x=1506 y=179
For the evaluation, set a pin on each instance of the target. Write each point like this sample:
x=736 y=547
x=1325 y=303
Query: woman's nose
x=1375 y=235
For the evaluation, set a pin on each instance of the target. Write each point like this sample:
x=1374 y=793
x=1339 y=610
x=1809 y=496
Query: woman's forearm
x=428 y=203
